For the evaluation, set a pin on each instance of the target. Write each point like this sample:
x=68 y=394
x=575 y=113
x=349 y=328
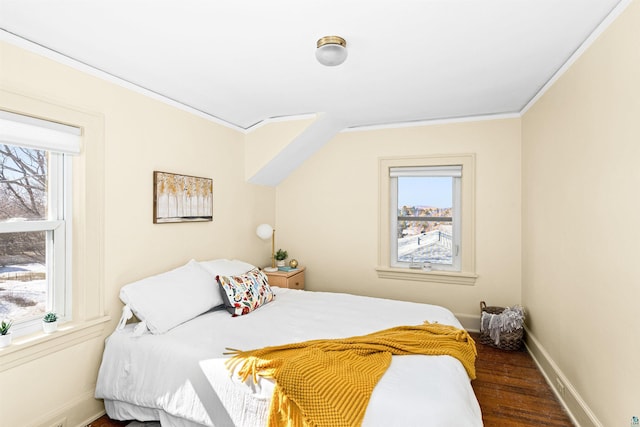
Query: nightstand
x=293 y=279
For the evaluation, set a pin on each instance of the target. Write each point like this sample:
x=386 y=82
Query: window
x=427 y=219
x=35 y=197
x=84 y=313
x=425 y=223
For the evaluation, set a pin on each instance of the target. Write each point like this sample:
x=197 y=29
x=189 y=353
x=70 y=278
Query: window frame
x=387 y=269
x=57 y=228
x=456 y=218
x=87 y=264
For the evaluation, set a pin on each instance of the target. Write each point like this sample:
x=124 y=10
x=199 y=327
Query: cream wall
x=265 y=142
x=580 y=231
x=327 y=213
x=554 y=219
x=140 y=135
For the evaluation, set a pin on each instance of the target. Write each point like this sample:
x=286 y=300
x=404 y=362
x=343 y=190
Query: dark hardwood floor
x=511 y=390
x=105 y=421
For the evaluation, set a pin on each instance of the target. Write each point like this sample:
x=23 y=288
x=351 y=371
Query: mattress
x=180 y=379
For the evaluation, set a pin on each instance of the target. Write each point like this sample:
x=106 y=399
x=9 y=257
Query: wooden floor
x=511 y=390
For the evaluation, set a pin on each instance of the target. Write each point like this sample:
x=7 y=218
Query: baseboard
x=471 y=322
x=92 y=418
x=579 y=412
x=80 y=412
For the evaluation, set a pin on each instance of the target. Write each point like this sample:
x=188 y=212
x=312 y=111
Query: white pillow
x=168 y=299
x=226 y=267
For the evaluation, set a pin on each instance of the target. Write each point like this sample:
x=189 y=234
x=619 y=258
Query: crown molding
x=604 y=24
x=431 y=122
x=270 y=120
x=39 y=49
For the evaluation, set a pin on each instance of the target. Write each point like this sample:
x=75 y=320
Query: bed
x=178 y=376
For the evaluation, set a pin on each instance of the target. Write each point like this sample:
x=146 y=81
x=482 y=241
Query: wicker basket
x=510 y=341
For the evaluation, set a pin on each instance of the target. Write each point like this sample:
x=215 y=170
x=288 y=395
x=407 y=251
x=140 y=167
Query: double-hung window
x=427 y=218
x=425 y=222
x=35 y=225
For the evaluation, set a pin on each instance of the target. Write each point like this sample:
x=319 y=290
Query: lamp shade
x=331 y=50
x=264 y=231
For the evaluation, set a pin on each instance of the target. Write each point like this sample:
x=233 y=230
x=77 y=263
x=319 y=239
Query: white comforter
x=180 y=379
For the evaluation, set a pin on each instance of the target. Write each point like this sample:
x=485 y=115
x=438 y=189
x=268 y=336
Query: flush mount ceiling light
x=331 y=51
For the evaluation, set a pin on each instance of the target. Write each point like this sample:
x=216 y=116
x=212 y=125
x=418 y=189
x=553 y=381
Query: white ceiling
x=245 y=61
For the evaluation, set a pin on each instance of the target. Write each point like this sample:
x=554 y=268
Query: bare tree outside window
x=23 y=197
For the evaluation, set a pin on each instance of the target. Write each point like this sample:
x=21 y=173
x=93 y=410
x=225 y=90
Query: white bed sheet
x=179 y=377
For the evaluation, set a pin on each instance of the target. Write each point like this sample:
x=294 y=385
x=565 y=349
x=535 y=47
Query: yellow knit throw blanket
x=329 y=382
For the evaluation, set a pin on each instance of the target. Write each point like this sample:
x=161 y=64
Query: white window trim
x=466 y=274
x=34 y=346
x=393 y=223
x=58 y=225
x=86 y=264
x=58 y=268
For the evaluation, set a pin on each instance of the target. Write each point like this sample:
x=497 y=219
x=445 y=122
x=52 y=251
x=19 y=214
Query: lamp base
x=270 y=269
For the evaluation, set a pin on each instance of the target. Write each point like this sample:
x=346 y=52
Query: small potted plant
x=50 y=322
x=5 y=333
x=281 y=255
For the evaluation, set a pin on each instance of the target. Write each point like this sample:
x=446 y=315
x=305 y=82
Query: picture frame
x=181 y=198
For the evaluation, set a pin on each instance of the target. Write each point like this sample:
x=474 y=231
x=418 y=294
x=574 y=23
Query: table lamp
x=265 y=231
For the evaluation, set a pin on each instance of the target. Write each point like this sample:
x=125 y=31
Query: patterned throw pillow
x=245 y=292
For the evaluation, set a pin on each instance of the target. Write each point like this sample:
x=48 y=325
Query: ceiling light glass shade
x=331 y=51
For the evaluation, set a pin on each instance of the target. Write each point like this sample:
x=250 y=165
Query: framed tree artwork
x=181 y=198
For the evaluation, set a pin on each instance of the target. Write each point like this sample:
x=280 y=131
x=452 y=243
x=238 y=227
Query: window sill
x=449 y=277
x=30 y=347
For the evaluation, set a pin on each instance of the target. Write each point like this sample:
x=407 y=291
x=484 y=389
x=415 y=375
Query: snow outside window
x=34 y=224
x=425 y=217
